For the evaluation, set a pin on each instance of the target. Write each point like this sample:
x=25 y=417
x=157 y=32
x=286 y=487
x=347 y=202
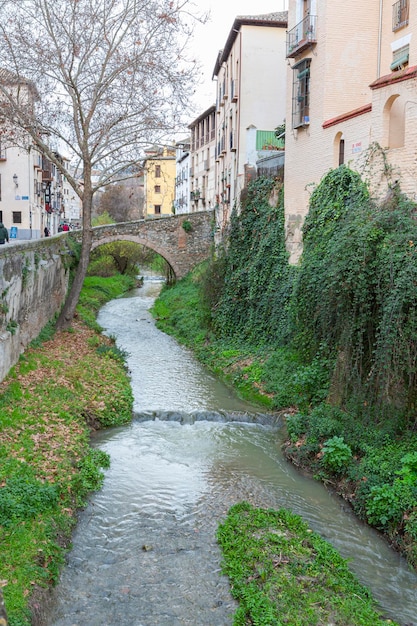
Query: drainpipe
x=378 y=68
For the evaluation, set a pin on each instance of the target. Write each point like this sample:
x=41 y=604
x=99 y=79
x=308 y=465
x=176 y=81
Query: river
x=144 y=550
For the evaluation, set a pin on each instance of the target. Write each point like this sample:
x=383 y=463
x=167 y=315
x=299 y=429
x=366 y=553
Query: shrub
x=336 y=454
x=23 y=497
x=387 y=504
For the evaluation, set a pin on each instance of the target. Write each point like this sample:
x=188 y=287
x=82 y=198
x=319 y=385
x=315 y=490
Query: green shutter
x=400 y=61
x=303 y=73
x=267 y=138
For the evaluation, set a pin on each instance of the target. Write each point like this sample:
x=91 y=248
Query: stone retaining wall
x=33 y=286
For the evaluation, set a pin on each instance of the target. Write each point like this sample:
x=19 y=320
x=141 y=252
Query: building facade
x=202 y=172
x=159 y=180
x=351 y=98
x=182 y=176
x=251 y=98
x=31 y=193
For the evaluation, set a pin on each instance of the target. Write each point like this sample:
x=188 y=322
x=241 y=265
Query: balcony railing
x=302 y=36
x=400 y=12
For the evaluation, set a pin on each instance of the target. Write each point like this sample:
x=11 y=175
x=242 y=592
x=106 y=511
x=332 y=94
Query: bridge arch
x=143 y=242
x=182 y=240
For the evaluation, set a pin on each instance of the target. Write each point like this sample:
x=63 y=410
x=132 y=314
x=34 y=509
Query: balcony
x=302 y=36
x=400 y=12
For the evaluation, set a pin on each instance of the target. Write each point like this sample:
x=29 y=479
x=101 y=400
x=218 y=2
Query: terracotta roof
x=347 y=116
x=206 y=113
x=279 y=16
x=395 y=77
x=277 y=20
x=11 y=78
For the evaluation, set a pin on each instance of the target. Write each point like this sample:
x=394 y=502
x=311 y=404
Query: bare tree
x=123 y=201
x=110 y=76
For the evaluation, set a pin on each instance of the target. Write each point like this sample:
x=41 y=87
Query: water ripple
x=144 y=551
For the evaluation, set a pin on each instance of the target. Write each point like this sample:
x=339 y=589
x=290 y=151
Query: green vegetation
x=126 y=258
x=103 y=219
x=283 y=573
x=65 y=385
x=331 y=342
x=187 y=226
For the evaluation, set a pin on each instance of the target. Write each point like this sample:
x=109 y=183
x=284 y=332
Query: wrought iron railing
x=302 y=35
x=400 y=11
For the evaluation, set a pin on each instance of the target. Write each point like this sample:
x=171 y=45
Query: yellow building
x=351 y=98
x=159 y=180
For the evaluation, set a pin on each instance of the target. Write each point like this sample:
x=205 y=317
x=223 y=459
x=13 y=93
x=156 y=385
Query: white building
x=251 y=75
x=182 y=176
x=22 y=192
x=203 y=149
x=71 y=203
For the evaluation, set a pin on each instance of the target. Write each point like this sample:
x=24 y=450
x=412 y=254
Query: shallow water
x=144 y=552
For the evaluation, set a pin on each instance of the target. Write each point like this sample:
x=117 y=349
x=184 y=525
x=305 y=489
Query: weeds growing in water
x=283 y=573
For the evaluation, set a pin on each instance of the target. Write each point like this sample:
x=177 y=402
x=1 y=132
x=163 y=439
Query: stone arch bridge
x=182 y=240
x=34 y=276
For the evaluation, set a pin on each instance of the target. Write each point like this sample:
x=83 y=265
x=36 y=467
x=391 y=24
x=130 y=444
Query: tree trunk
x=68 y=310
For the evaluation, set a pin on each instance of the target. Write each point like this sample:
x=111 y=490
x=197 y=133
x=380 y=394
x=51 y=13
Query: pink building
x=351 y=98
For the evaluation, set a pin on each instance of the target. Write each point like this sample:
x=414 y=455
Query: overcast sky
x=211 y=37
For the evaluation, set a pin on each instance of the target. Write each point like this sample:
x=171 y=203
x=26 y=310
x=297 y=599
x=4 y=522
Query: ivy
x=351 y=304
x=355 y=298
x=257 y=279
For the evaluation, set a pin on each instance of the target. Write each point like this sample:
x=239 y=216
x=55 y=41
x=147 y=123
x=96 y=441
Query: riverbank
x=60 y=390
x=65 y=385
x=180 y=311
x=329 y=342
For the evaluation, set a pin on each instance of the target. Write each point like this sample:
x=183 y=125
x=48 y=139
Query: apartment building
x=31 y=192
x=31 y=187
x=159 y=180
x=251 y=101
x=351 y=98
x=202 y=168
x=182 y=178
x=71 y=207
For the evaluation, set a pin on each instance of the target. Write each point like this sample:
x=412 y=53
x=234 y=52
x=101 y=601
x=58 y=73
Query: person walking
x=4 y=233
x=46 y=231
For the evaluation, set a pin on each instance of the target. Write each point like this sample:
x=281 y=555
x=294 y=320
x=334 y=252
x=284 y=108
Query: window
x=157 y=171
x=157 y=189
x=400 y=58
x=341 y=151
x=17 y=217
x=157 y=209
x=301 y=94
x=400 y=11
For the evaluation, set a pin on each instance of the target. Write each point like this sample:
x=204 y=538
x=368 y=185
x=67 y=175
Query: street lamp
x=15 y=180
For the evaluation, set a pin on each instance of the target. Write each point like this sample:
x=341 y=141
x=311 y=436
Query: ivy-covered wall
x=352 y=300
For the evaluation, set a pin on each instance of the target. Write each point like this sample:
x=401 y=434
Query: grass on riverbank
x=283 y=573
x=272 y=379
x=64 y=385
